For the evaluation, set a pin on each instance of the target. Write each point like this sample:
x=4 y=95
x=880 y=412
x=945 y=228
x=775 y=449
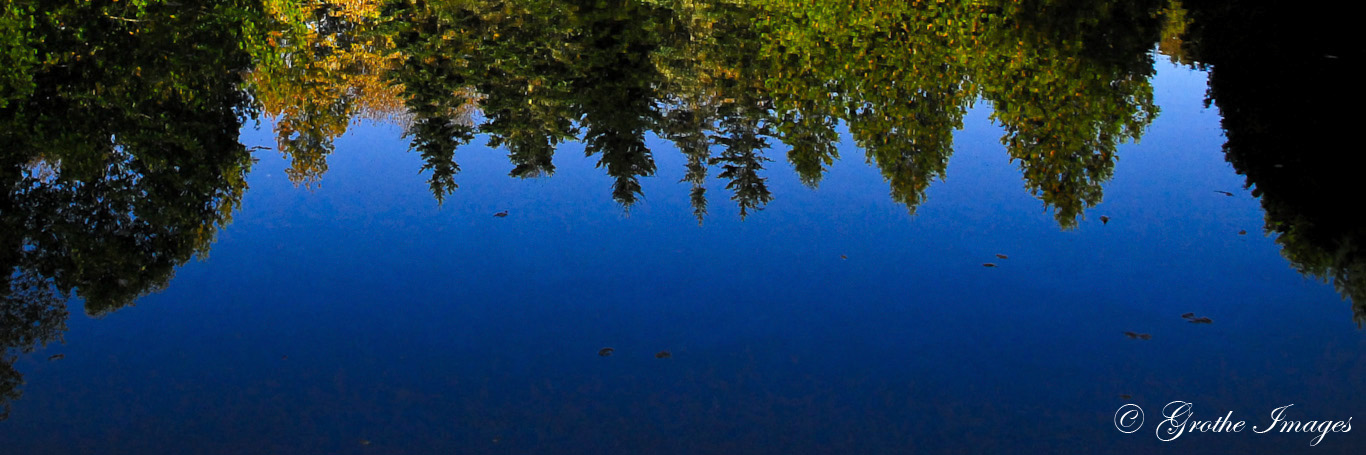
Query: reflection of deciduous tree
x=17 y=53
x=123 y=161
x=32 y=314
x=322 y=65
x=1275 y=76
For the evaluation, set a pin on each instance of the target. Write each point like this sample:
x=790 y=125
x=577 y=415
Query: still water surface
x=342 y=308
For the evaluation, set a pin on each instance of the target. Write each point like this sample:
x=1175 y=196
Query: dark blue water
x=361 y=316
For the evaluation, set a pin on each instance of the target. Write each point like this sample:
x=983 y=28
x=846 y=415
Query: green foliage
x=1069 y=81
x=122 y=161
x=18 y=55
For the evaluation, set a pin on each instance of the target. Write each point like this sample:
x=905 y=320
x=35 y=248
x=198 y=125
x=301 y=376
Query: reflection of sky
x=423 y=327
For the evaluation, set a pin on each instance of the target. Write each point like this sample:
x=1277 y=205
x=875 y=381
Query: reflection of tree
x=17 y=55
x=323 y=65
x=687 y=126
x=528 y=98
x=1069 y=80
x=32 y=314
x=1069 y=83
x=122 y=162
x=436 y=86
x=615 y=84
x=1274 y=75
x=893 y=76
x=741 y=136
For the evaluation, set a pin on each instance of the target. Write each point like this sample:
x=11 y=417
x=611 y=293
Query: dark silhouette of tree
x=122 y=160
x=1276 y=73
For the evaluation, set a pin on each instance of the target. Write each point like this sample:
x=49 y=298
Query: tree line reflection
x=119 y=121
x=725 y=82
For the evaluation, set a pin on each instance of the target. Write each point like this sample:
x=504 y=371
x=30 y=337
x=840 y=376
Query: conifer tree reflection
x=436 y=83
x=616 y=83
x=1069 y=84
x=741 y=136
x=687 y=126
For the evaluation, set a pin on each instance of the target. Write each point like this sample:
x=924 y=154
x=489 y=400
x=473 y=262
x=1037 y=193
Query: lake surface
x=630 y=226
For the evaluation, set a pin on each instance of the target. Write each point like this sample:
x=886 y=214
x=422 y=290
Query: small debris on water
x=56 y=357
x=1104 y=219
x=502 y=214
x=1002 y=256
x=1194 y=320
x=1125 y=396
x=1242 y=232
x=1225 y=193
x=989 y=264
x=663 y=355
x=606 y=351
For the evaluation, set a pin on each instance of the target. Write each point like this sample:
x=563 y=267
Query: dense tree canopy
x=119 y=120
x=119 y=156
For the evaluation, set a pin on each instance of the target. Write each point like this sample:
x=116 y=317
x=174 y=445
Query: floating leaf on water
x=844 y=257
x=663 y=355
x=1126 y=396
x=1242 y=232
x=606 y=351
x=1225 y=193
x=56 y=357
x=1104 y=219
x=501 y=214
x=989 y=264
x=1145 y=336
x=1002 y=256
x=1188 y=315
x=1131 y=335
x=1201 y=320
